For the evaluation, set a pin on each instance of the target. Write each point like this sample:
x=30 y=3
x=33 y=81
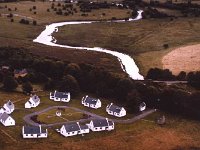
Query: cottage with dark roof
x=9 y=107
x=20 y=73
x=115 y=110
x=34 y=101
x=60 y=96
x=91 y=102
x=101 y=125
x=6 y=120
x=34 y=132
x=73 y=129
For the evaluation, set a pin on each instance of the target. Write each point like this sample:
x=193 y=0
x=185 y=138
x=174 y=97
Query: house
x=20 y=73
x=115 y=110
x=91 y=102
x=34 y=132
x=8 y=107
x=60 y=96
x=34 y=101
x=142 y=106
x=73 y=129
x=101 y=125
x=7 y=120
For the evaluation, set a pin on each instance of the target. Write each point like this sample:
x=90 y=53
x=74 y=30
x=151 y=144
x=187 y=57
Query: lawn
x=67 y=114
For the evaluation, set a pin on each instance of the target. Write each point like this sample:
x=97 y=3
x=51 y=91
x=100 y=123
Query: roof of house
x=61 y=94
x=91 y=100
x=33 y=130
x=115 y=108
x=83 y=127
x=10 y=105
x=18 y=71
x=71 y=127
x=4 y=116
x=102 y=122
x=35 y=98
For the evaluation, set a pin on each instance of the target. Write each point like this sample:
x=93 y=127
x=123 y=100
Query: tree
x=9 y=83
x=27 y=87
x=69 y=84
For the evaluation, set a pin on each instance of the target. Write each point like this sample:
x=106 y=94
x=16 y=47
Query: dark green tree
x=9 y=83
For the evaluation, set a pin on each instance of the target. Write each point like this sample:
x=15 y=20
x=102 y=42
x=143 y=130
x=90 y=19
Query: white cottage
x=34 y=132
x=6 y=120
x=115 y=110
x=101 y=125
x=8 y=107
x=60 y=96
x=34 y=101
x=91 y=102
x=73 y=129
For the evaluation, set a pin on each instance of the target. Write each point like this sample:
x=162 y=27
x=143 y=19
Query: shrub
x=9 y=83
x=35 y=13
x=48 y=10
x=34 y=7
x=165 y=46
x=27 y=87
x=34 y=22
x=12 y=20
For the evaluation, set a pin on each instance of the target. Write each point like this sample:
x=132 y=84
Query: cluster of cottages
x=70 y=129
x=5 y=112
x=90 y=102
x=67 y=129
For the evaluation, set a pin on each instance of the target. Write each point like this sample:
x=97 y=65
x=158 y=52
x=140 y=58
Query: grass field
x=143 y=40
x=66 y=115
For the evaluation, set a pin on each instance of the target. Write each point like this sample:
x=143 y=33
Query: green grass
x=143 y=40
x=67 y=115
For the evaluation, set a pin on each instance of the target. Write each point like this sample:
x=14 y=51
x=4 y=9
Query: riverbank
x=127 y=63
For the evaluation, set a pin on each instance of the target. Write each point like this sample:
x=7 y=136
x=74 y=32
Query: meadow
x=143 y=40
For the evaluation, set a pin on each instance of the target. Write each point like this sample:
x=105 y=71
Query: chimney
x=40 y=128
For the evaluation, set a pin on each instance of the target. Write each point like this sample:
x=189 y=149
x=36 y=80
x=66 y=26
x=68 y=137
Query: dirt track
x=185 y=58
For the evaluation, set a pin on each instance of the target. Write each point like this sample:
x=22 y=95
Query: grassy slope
x=143 y=134
x=143 y=40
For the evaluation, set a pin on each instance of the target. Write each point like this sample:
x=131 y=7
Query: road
x=28 y=119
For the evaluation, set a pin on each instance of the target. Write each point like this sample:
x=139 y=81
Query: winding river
x=127 y=63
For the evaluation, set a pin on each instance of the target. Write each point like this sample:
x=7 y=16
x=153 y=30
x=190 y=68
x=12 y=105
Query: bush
x=48 y=10
x=165 y=46
x=27 y=87
x=34 y=22
x=35 y=13
x=12 y=20
x=34 y=7
x=9 y=83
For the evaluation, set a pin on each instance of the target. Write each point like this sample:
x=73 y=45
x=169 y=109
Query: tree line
x=75 y=78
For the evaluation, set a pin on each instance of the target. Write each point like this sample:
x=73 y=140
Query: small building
x=8 y=107
x=73 y=129
x=115 y=110
x=34 y=101
x=60 y=96
x=20 y=73
x=101 y=125
x=34 y=132
x=142 y=106
x=6 y=120
x=91 y=102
